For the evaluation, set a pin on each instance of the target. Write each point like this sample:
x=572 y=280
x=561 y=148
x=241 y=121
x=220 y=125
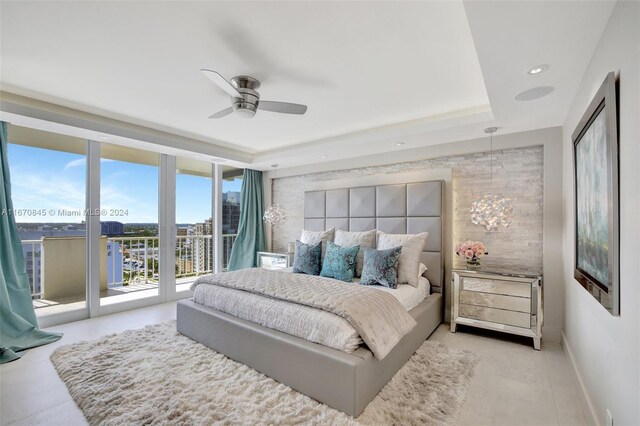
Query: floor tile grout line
x=42 y=411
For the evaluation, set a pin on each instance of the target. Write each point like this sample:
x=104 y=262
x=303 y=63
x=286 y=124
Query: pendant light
x=275 y=214
x=491 y=210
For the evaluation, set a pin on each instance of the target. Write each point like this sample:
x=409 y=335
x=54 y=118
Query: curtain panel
x=251 y=236
x=18 y=324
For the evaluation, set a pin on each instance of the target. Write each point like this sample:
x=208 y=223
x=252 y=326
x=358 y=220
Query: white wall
x=528 y=167
x=606 y=349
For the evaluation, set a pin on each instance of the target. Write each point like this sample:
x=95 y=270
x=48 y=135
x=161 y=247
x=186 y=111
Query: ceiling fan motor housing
x=247 y=105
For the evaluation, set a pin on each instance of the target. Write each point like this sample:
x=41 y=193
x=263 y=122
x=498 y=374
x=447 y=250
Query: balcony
x=129 y=267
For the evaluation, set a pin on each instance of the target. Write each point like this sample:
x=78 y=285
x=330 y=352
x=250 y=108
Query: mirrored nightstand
x=501 y=301
x=274 y=260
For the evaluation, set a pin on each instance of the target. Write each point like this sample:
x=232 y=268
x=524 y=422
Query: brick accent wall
x=517 y=173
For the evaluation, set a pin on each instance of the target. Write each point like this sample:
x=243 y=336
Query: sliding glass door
x=48 y=175
x=194 y=248
x=129 y=227
x=231 y=202
x=107 y=227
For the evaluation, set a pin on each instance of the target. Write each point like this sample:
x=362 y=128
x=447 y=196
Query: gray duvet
x=378 y=317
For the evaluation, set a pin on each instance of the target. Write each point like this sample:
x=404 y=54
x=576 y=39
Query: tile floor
x=512 y=385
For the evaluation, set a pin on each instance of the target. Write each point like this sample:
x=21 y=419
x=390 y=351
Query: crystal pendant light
x=491 y=210
x=275 y=214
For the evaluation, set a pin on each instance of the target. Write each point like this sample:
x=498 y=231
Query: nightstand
x=274 y=260
x=501 y=301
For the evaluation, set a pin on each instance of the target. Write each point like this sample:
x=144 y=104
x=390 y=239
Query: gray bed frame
x=344 y=381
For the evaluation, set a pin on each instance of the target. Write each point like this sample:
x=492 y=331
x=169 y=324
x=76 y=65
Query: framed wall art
x=595 y=159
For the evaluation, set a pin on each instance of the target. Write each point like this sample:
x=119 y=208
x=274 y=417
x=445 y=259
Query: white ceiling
x=372 y=73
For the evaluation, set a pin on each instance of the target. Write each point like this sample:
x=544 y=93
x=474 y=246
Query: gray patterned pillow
x=307 y=258
x=381 y=267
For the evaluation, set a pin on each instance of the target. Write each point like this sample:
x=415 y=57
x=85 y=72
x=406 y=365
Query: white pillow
x=314 y=237
x=423 y=269
x=412 y=248
x=350 y=239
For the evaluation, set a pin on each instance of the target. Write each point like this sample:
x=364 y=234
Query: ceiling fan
x=245 y=100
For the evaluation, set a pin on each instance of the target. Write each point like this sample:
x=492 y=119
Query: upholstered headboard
x=397 y=209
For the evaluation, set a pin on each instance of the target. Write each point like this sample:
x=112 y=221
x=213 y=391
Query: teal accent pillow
x=340 y=262
x=307 y=258
x=381 y=267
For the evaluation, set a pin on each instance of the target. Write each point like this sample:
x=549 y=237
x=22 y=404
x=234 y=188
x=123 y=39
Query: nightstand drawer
x=510 y=303
x=517 y=319
x=487 y=285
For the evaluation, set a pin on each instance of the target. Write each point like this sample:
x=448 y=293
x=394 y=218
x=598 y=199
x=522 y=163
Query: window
x=129 y=238
x=132 y=260
x=48 y=180
x=194 y=253
x=231 y=186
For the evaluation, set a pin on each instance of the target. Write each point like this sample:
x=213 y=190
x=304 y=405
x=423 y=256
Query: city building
x=111 y=228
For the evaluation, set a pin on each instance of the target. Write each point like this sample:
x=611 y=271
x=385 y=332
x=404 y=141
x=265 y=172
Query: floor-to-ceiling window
x=194 y=249
x=129 y=222
x=231 y=185
x=107 y=227
x=48 y=186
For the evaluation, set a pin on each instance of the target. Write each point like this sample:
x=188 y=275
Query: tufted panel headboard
x=396 y=209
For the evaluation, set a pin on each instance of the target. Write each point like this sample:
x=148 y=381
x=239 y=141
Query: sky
x=44 y=183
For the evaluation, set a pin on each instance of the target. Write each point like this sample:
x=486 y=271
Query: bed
x=345 y=378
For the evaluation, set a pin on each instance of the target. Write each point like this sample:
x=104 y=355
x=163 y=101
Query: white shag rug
x=156 y=376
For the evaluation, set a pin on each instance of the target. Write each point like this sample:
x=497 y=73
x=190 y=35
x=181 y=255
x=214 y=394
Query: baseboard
x=585 y=400
x=551 y=334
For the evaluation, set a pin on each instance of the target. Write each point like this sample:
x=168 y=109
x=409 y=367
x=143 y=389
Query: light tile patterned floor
x=513 y=384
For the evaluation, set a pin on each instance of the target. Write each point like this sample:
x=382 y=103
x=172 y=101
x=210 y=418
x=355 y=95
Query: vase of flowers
x=472 y=251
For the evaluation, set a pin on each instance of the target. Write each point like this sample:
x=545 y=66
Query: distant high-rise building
x=111 y=228
x=32 y=259
x=230 y=222
x=231 y=197
x=230 y=217
x=203 y=247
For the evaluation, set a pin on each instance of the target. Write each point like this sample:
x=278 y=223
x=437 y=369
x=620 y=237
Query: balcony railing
x=135 y=260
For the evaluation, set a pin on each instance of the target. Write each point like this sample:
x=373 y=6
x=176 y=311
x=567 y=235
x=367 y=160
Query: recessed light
x=323 y=156
x=399 y=143
x=534 y=93
x=103 y=138
x=538 y=69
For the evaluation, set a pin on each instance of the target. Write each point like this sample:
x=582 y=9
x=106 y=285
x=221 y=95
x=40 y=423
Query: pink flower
x=471 y=250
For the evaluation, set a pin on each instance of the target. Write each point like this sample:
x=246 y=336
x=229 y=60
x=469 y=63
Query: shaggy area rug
x=157 y=376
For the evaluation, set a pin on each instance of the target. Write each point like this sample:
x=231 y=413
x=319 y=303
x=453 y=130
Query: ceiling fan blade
x=221 y=83
x=222 y=113
x=283 y=107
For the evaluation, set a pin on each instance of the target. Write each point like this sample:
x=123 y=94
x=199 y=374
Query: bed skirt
x=344 y=381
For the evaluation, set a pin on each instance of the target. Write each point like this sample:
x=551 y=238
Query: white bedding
x=301 y=321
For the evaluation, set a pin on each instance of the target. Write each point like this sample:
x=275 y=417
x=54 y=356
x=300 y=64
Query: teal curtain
x=18 y=324
x=251 y=238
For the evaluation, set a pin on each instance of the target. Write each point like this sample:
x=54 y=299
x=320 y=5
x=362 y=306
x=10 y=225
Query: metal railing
x=135 y=260
x=194 y=256
x=132 y=260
